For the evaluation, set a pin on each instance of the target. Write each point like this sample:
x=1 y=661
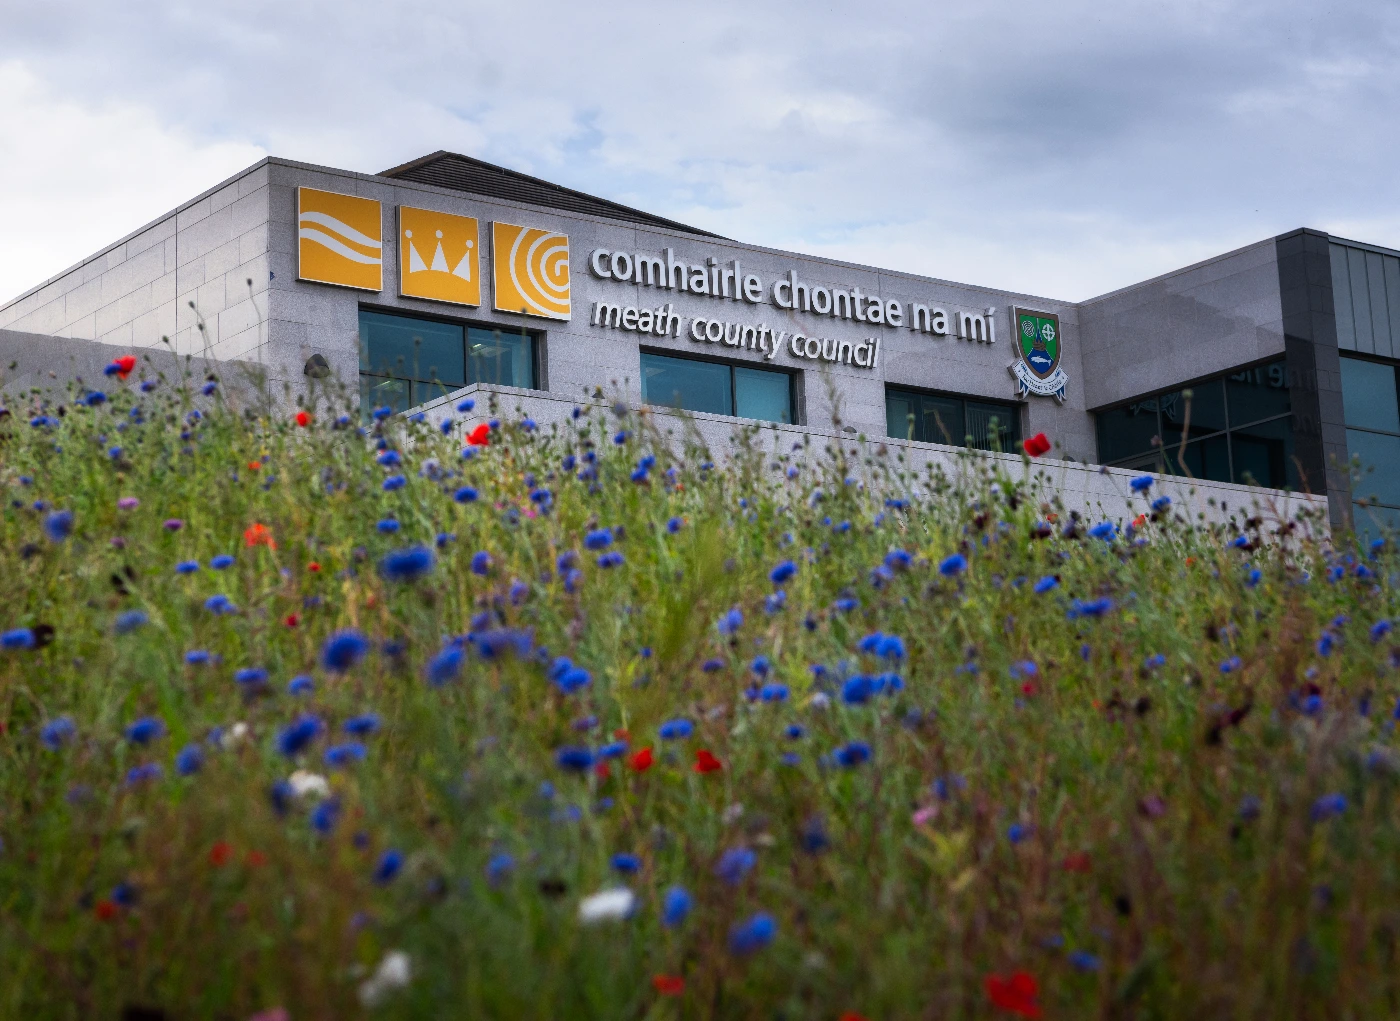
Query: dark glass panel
x=1380 y=465
x=941 y=420
x=1202 y=413
x=900 y=421
x=411 y=348
x=1257 y=393
x=686 y=384
x=506 y=359
x=1263 y=454
x=992 y=426
x=761 y=394
x=1369 y=396
x=1371 y=519
x=1207 y=459
x=376 y=391
x=1127 y=431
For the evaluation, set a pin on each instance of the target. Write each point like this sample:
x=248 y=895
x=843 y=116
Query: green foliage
x=1037 y=784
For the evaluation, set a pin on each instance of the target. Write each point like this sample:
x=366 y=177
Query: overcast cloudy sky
x=1062 y=148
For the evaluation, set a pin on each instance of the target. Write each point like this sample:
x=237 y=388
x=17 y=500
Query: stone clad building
x=1271 y=366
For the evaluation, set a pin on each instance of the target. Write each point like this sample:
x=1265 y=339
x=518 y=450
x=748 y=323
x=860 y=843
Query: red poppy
x=851 y=1015
x=1027 y=688
x=124 y=365
x=1017 y=993
x=292 y=620
x=480 y=436
x=705 y=762
x=641 y=761
x=1079 y=861
x=668 y=985
x=603 y=769
x=255 y=859
x=106 y=909
x=257 y=535
x=1140 y=520
x=1037 y=445
x=254 y=466
x=313 y=567
x=620 y=734
x=303 y=418
x=221 y=854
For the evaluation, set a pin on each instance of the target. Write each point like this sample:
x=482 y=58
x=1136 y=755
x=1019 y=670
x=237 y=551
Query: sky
x=1061 y=149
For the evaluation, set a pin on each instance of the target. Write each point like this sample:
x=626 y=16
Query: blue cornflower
x=731 y=621
x=1153 y=661
x=129 y=621
x=952 y=565
x=870 y=642
x=753 y=934
x=793 y=731
x=711 y=665
x=57 y=733
x=612 y=750
x=1161 y=503
x=497 y=642
x=674 y=525
x=208 y=388
x=251 y=676
x=59 y=525
x=1045 y=584
x=1328 y=806
x=145 y=730
x=465 y=404
x=1380 y=629
x=734 y=864
x=1091 y=608
x=857 y=690
x=610 y=559
x=1082 y=960
x=852 y=754
x=898 y=559
x=673 y=730
x=393 y=482
x=598 y=539
x=499 y=868
x=443 y=538
x=481 y=562
x=189 y=761
x=297 y=735
x=187 y=567
x=846 y=604
x=675 y=906
x=773 y=693
x=1018 y=832
x=782 y=572
x=775 y=602
x=568 y=677
x=445 y=665
x=1141 y=484
x=573 y=758
x=627 y=864
x=1252 y=579
x=1326 y=643
x=466 y=494
x=325 y=815
x=222 y=561
x=407 y=564
x=890 y=647
x=389 y=458
x=143 y=773
x=367 y=723
x=197 y=657
x=343 y=650
x=1105 y=530
x=760 y=666
x=301 y=685
x=344 y=754
x=1231 y=665
x=390 y=862
x=388 y=526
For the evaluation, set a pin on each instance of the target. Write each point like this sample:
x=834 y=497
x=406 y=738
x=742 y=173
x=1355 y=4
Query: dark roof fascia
x=626 y=213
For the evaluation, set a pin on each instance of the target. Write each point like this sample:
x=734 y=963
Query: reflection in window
x=938 y=418
x=717 y=388
x=1234 y=428
x=1371 y=407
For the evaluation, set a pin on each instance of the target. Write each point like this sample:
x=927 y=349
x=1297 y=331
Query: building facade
x=1271 y=366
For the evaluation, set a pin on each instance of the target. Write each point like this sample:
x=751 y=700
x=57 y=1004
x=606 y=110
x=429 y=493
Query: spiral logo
x=532 y=271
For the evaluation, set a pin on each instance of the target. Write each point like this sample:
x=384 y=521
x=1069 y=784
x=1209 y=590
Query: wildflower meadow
x=308 y=717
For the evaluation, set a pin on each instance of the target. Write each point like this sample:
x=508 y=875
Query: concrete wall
x=1099 y=493
x=1181 y=327
x=140 y=289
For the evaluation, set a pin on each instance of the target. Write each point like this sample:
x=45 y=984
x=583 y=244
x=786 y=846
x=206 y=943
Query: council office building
x=1271 y=366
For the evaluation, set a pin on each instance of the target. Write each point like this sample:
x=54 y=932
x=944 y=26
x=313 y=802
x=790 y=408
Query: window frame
x=794 y=409
x=536 y=338
x=1014 y=407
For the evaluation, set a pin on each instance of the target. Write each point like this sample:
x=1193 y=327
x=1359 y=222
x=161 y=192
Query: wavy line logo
x=531 y=271
x=339 y=240
x=438 y=256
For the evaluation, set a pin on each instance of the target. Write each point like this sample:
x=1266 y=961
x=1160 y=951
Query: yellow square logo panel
x=339 y=240
x=439 y=256
x=531 y=270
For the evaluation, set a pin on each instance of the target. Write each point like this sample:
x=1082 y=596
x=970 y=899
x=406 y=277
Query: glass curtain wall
x=956 y=421
x=1371 y=407
x=1233 y=428
x=407 y=361
x=717 y=388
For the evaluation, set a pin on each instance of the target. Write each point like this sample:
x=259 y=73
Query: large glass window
x=957 y=421
x=406 y=361
x=1371 y=407
x=1233 y=428
x=717 y=388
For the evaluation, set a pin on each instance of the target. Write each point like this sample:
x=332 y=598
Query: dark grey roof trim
x=464 y=173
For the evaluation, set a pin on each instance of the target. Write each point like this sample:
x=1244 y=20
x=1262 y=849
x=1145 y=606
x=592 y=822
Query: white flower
x=606 y=905
x=306 y=784
x=234 y=736
x=821 y=700
x=393 y=973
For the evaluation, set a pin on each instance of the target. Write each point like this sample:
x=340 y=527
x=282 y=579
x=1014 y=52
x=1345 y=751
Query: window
x=407 y=361
x=956 y=421
x=1371 y=407
x=1233 y=428
x=717 y=388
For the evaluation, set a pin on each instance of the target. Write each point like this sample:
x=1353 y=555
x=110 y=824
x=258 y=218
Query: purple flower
x=173 y=524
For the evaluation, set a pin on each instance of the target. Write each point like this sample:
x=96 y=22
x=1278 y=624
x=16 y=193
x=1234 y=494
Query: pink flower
x=128 y=503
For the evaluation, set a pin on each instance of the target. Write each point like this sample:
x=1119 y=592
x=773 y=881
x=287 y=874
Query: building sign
x=1038 y=343
x=339 y=240
x=531 y=271
x=439 y=256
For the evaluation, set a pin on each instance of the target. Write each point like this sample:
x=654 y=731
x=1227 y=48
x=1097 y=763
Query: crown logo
x=451 y=244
